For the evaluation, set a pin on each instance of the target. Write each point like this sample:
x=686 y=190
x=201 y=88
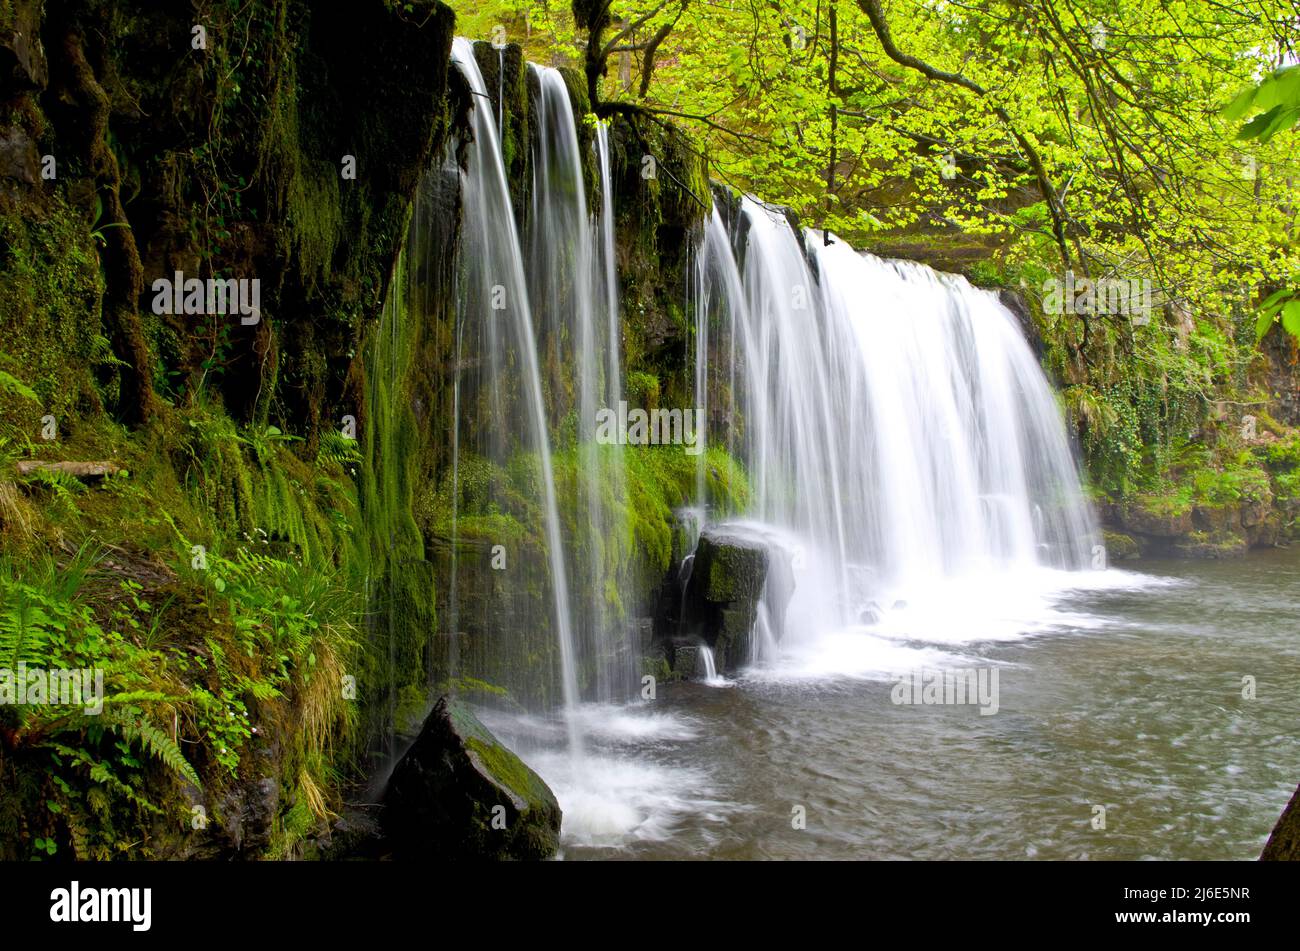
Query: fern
x=134 y=730
x=11 y=384
x=337 y=448
x=66 y=487
x=135 y=696
x=77 y=833
x=25 y=623
x=161 y=746
x=100 y=773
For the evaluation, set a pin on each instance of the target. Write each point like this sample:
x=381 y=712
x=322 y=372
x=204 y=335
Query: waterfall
x=574 y=291
x=538 y=353
x=895 y=427
x=718 y=296
x=898 y=429
x=618 y=667
x=494 y=291
x=707 y=661
x=608 y=263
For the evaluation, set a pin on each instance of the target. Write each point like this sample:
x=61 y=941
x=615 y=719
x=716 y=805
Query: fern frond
x=337 y=448
x=159 y=745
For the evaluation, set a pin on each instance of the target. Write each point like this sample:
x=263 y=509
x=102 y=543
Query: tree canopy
x=1084 y=134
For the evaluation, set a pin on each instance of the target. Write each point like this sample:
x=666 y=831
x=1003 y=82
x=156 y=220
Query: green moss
x=50 y=291
x=1120 y=547
x=503 y=765
x=1221 y=544
x=1174 y=503
x=643 y=390
x=735 y=572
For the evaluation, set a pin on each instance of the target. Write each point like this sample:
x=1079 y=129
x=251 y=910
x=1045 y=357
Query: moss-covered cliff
x=263 y=577
x=222 y=579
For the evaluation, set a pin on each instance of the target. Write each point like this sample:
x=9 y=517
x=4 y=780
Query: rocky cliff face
x=303 y=148
x=277 y=146
x=281 y=145
x=1284 y=843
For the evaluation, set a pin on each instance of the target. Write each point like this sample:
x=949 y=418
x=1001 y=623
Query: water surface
x=1126 y=693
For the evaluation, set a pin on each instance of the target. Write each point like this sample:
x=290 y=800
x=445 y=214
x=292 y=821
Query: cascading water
x=608 y=264
x=537 y=354
x=898 y=428
x=898 y=435
x=574 y=293
x=494 y=291
x=711 y=676
x=721 y=315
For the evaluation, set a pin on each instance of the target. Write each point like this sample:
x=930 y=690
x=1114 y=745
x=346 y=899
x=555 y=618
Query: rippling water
x=1125 y=693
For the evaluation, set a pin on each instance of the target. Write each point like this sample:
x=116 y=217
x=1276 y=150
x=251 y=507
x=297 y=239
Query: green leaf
x=1262 y=323
x=1275 y=300
x=1268 y=124
x=1291 y=318
x=1240 y=104
x=1282 y=88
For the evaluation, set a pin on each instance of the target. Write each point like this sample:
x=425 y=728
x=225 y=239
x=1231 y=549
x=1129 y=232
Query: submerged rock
x=1284 y=844
x=459 y=794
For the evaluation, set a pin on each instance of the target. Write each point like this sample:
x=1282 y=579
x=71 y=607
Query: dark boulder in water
x=733 y=576
x=1284 y=844
x=459 y=794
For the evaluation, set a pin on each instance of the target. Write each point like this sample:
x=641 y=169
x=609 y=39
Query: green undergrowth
x=637 y=490
x=1228 y=476
x=1158 y=407
x=212 y=582
x=617 y=534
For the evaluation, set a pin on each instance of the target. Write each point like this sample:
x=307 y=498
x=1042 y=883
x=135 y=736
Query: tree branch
x=881 y=27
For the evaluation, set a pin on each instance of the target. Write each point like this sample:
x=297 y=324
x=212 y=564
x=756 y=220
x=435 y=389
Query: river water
x=1121 y=691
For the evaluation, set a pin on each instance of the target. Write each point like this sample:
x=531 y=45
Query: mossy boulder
x=1210 y=545
x=1284 y=843
x=729 y=578
x=1157 y=518
x=729 y=568
x=458 y=794
x=1121 y=547
x=1214 y=518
